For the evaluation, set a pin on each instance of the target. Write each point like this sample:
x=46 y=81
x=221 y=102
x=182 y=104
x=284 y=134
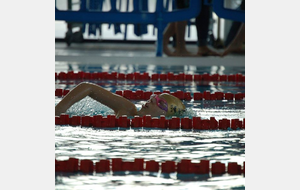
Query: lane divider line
x=137 y=76
x=185 y=166
x=145 y=95
x=174 y=123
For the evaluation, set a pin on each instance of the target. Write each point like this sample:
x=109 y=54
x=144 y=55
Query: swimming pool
x=88 y=143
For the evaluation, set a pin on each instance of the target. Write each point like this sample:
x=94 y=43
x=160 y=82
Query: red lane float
x=174 y=123
x=141 y=95
x=218 y=168
x=137 y=76
x=185 y=166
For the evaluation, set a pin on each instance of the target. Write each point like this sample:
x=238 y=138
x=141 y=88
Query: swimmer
x=163 y=104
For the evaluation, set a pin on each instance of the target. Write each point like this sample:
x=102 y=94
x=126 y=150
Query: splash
x=88 y=106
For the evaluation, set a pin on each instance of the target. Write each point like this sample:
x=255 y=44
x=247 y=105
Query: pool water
x=153 y=144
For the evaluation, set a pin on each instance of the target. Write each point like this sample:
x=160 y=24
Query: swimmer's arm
x=111 y=100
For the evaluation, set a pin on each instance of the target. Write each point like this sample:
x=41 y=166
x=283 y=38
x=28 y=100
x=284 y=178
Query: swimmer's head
x=175 y=105
x=163 y=104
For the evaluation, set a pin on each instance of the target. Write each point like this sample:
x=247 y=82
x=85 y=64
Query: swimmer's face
x=155 y=106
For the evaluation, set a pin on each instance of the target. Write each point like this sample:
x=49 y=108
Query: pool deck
x=143 y=54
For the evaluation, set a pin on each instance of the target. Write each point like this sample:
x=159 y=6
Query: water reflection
x=98 y=144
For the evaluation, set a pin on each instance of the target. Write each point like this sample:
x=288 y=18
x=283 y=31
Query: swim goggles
x=161 y=103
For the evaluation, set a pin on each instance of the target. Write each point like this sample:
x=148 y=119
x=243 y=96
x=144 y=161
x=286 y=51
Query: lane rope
x=174 y=123
x=185 y=166
x=137 y=76
x=145 y=95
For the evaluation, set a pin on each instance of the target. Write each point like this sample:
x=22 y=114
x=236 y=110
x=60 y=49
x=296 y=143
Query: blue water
x=95 y=144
